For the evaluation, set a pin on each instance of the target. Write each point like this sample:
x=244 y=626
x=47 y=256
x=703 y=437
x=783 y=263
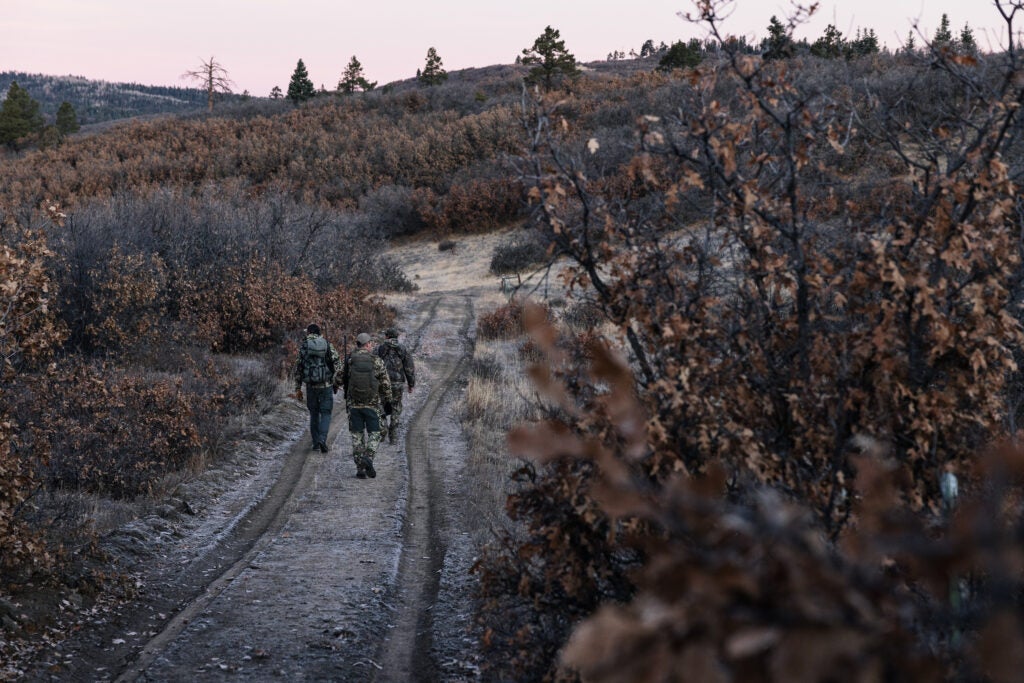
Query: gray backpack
x=317 y=364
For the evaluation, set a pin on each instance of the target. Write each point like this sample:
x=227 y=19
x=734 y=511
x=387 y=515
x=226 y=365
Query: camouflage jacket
x=379 y=372
x=297 y=372
x=398 y=361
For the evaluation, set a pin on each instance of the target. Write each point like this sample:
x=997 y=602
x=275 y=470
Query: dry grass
x=499 y=396
x=467 y=266
x=69 y=510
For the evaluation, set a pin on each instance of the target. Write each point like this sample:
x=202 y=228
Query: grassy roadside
x=499 y=395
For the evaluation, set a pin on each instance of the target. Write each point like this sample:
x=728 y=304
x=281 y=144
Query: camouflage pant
x=397 y=390
x=365 y=428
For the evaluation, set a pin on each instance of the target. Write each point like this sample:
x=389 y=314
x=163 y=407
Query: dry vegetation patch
x=466 y=266
x=499 y=396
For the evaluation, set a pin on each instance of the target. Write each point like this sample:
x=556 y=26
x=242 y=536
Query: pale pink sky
x=259 y=41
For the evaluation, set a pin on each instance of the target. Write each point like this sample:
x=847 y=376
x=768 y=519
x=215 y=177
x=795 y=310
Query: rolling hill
x=98 y=101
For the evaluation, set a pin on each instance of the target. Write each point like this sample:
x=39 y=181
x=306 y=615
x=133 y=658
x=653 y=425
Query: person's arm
x=297 y=372
x=383 y=381
x=336 y=364
x=344 y=376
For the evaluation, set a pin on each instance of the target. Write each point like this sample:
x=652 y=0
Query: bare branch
x=213 y=77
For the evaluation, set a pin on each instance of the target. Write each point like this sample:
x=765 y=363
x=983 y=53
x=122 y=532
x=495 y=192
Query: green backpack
x=362 y=380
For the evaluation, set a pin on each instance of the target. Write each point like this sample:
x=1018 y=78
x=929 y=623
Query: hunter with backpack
x=367 y=389
x=401 y=369
x=317 y=367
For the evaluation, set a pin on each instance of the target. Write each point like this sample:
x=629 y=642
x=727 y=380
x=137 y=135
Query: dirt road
x=300 y=571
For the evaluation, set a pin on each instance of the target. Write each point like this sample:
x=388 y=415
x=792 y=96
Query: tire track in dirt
x=141 y=628
x=246 y=540
x=158 y=635
x=405 y=655
x=242 y=542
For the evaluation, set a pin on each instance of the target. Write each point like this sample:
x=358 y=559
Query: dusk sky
x=153 y=42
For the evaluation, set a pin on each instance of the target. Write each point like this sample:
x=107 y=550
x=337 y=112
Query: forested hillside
x=98 y=101
x=782 y=395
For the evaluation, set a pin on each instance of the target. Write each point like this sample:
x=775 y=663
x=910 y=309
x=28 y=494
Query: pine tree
x=778 y=44
x=19 y=116
x=647 y=49
x=275 y=93
x=910 y=47
x=433 y=73
x=943 y=36
x=681 y=56
x=831 y=44
x=67 y=120
x=300 y=88
x=967 y=43
x=865 y=43
x=352 y=79
x=552 y=61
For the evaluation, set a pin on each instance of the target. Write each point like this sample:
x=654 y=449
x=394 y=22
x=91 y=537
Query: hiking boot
x=360 y=474
x=323 y=447
x=370 y=472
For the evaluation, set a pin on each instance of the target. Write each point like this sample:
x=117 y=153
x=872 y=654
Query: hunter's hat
x=363 y=338
x=391 y=333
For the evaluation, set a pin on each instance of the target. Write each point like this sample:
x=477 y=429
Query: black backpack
x=317 y=364
x=362 y=380
x=394 y=361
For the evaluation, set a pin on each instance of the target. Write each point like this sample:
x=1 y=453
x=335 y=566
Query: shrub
x=505 y=322
x=25 y=549
x=129 y=308
x=767 y=343
x=118 y=432
x=473 y=205
x=254 y=306
x=517 y=255
x=386 y=275
x=30 y=333
x=255 y=388
x=447 y=245
x=563 y=566
x=583 y=315
x=391 y=211
x=736 y=581
x=486 y=368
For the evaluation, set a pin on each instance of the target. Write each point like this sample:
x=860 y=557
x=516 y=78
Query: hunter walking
x=367 y=388
x=317 y=367
x=401 y=369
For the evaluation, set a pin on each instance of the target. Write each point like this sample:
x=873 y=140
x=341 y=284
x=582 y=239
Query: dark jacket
x=398 y=361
